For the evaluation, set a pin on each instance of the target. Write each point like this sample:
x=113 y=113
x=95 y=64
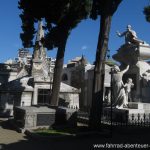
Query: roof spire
x=40 y=32
x=39 y=50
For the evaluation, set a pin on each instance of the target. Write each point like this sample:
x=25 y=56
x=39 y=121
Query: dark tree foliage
x=147 y=13
x=61 y=16
x=105 y=9
x=28 y=33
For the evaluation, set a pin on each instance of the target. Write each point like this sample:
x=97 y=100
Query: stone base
x=32 y=116
x=135 y=111
x=138 y=105
x=43 y=116
x=66 y=116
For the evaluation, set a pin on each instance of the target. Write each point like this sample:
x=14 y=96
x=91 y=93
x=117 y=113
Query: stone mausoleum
x=79 y=73
x=27 y=80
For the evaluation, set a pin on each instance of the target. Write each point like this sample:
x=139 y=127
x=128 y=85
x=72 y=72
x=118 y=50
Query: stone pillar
x=35 y=95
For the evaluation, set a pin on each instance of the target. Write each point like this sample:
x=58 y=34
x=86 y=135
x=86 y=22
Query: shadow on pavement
x=6 y=125
x=80 y=143
x=66 y=144
x=122 y=135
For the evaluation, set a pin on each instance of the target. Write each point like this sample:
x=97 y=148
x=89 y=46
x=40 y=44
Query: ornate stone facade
x=27 y=80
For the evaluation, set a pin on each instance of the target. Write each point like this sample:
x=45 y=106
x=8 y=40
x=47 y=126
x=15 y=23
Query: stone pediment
x=64 y=88
x=22 y=73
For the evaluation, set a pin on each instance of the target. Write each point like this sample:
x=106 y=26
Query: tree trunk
x=57 y=72
x=98 y=81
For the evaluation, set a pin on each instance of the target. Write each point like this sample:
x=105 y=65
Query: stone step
x=138 y=111
x=126 y=110
x=139 y=105
x=121 y=115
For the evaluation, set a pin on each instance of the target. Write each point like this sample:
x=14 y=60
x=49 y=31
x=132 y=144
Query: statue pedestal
x=130 y=54
x=135 y=56
x=137 y=112
x=140 y=106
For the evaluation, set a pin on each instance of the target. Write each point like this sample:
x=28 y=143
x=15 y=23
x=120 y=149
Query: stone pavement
x=7 y=134
x=11 y=140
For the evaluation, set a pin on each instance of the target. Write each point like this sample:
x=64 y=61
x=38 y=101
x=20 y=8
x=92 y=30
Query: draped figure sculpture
x=118 y=91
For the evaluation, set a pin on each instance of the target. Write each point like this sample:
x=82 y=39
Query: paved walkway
x=8 y=134
x=11 y=140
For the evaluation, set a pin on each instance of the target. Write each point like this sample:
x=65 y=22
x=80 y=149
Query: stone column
x=35 y=95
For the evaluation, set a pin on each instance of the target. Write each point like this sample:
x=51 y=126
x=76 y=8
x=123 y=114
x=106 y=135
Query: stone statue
x=118 y=92
x=146 y=78
x=130 y=36
x=128 y=87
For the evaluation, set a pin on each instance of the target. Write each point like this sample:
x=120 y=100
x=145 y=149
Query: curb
x=71 y=136
x=52 y=137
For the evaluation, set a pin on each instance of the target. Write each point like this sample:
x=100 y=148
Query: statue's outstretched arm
x=126 y=69
x=120 y=34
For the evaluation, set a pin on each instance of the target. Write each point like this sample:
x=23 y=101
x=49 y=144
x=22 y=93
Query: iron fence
x=126 y=119
x=119 y=119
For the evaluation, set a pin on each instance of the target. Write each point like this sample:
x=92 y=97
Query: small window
x=43 y=96
x=64 y=77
